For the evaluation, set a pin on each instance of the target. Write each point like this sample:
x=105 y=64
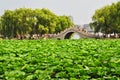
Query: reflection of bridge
x=66 y=34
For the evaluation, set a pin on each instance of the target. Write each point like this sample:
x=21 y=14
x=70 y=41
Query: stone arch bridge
x=66 y=34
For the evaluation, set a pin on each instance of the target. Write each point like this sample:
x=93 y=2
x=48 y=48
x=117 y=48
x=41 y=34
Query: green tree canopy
x=28 y=21
x=107 y=19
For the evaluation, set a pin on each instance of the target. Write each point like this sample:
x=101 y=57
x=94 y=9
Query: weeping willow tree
x=27 y=21
x=107 y=19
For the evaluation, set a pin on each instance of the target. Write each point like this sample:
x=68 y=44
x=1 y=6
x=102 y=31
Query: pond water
x=75 y=36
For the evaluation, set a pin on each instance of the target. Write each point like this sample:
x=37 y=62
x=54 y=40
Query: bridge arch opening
x=72 y=35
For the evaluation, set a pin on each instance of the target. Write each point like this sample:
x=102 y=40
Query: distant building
x=87 y=27
x=71 y=18
x=78 y=26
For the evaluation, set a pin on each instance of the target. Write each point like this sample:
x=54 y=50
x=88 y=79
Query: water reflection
x=75 y=36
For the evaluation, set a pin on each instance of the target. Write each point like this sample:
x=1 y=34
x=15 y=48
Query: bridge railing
x=75 y=29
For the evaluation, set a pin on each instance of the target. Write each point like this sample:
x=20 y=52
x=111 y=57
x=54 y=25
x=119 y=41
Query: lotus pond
x=84 y=59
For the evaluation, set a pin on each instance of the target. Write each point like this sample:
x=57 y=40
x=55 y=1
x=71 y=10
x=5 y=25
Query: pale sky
x=81 y=10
